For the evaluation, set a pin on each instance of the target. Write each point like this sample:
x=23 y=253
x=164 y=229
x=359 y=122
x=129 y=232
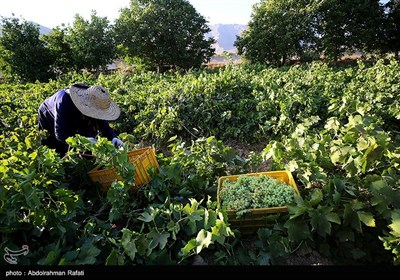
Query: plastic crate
x=142 y=159
x=257 y=217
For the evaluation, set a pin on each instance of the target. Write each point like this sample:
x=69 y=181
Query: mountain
x=225 y=35
x=43 y=29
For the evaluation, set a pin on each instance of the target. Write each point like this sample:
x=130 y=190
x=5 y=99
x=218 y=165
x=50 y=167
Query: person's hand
x=118 y=143
x=92 y=140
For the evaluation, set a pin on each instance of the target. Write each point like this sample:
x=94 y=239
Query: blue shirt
x=60 y=117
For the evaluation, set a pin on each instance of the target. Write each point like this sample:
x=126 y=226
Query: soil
x=243 y=151
x=298 y=258
x=312 y=258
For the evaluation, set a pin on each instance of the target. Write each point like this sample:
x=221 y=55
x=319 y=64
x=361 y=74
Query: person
x=80 y=109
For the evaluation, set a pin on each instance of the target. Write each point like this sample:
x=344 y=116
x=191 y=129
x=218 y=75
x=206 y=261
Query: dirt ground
x=298 y=259
x=313 y=258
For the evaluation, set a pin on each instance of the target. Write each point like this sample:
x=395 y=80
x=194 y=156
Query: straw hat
x=94 y=102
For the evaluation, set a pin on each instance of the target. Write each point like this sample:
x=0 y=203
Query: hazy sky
x=52 y=13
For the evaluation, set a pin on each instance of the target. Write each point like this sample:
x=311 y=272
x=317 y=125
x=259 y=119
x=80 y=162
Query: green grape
x=249 y=192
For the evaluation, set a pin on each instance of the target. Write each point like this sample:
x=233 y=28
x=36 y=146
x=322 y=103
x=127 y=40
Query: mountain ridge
x=225 y=35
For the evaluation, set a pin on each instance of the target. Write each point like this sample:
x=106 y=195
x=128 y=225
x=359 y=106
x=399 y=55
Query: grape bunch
x=249 y=192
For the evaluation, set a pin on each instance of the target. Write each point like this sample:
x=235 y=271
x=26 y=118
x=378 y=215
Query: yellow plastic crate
x=256 y=218
x=142 y=159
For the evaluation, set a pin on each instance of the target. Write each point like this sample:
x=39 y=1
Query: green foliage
x=173 y=232
x=335 y=129
x=350 y=26
x=27 y=57
x=193 y=171
x=280 y=31
x=343 y=166
x=24 y=57
x=60 y=50
x=36 y=205
x=392 y=24
x=91 y=42
x=392 y=240
x=167 y=42
x=106 y=156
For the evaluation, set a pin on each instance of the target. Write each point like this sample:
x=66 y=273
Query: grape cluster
x=249 y=192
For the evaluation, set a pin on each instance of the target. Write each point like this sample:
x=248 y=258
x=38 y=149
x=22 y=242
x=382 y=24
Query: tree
x=92 y=43
x=392 y=27
x=349 y=26
x=164 y=33
x=23 y=57
x=60 y=50
x=279 y=31
x=367 y=27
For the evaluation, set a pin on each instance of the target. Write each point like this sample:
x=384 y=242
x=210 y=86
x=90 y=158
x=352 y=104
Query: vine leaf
x=128 y=243
x=160 y=239
x=366 y=218
x=203 y=240
x=188 y=247
x=395 y=225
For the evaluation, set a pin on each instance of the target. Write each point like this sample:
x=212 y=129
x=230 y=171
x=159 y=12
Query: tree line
x=281 y=31
x=149 y=33
x=158 y=33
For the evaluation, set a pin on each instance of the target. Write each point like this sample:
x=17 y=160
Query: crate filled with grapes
x=248 y=198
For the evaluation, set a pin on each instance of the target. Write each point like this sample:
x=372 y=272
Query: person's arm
x=106 y=130
x=65 y=115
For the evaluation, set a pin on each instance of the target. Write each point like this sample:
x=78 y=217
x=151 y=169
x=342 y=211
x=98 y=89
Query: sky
x=52 y=13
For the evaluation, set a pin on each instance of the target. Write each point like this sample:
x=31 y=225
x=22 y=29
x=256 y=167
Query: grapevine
x=255 y=192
